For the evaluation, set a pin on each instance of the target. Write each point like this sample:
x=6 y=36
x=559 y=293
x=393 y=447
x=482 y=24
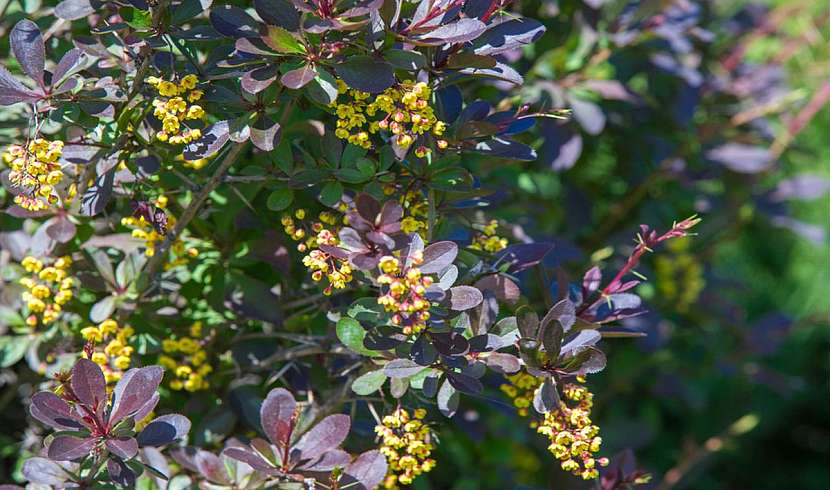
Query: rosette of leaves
x=295 y=457
x=97 y=429
x=219 y=472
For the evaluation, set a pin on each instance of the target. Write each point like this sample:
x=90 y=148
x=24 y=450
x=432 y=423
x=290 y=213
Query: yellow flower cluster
x=487 y=240
x=187 y=359
x=407 y=446
x=144 y=230
x=679 y=275
x=175 y=107
x=49 y=287
x=194 y=164
x=520 y=389
x=404 y=293
x=114 y=357
x=573 y=437
x=35 y=168
x=402 y=110
x=337 y=271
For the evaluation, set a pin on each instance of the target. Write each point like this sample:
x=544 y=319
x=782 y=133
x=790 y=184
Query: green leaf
x=280 y=199
x=13 y=348
x=351 y=176
x=282 y=41
x=102 y=309
x=351 y=333
x=331 y=193
x=369 y=383
x=137 y=19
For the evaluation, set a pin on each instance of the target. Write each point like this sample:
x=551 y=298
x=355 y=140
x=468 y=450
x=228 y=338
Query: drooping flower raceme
x=109 y=348
x=406 y=441
x=403 y=111
x=404 y=292
x=176 y=108
x=574 y=438
x=49 y=287
x=35 y=170
x=187 y=359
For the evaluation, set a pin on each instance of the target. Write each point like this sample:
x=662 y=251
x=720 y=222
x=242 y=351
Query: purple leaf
x=68 y=448
x=564 y=312
x=44 y=472
x=503 y=363
x=299 y=78
x=561 y=148
x=95 y=198
x=438 y=256
x=278 y=13
x=741 y=158
x=211 y=467
x=583 y=340
x=250 y=458
x=328 y=434
x=524 y=255
x=27 y=45
x=120 y=473
x=460 y=31
x=463 y=298
x=266 y=133
x=133 y=390
x=60 y=228
x=164 y=430
x=123 y=447
x=591 y=281
x=465 y=383
x=588 y=115
x=402 y=368
x=507 y=36
x=545 y=398
x=366 y=74
x=804 y=187
x=88 y=383
x=233 y=22
x=74 y=9
x=147 y=407
x=12 y=91
x=51 y=410
x=66 y=65
x=256 y=81
x=212 y=140
x=277 y=415
x=369 y=469
x=329 y=461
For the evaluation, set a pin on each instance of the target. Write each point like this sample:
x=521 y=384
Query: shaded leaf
x=366 y=74
x=368 y=383
x=164 y=430
x=27 y=45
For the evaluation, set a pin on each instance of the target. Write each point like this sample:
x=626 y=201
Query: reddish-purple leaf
x=741 y=158
x=74 y=9
x=508 y=35
x=123 y=447
x=27 y=45
x=277 y=415
x=501 y=286
x=438 y=256
x=368 y=469
x=68 y=448
x=212 y=140
x=266 y=133
x=120 y=473
x=250 y=458
x=88 y=383
x=164 y=430
x=502 y=362
x=591 y=281
x=233 y=22
x=133 y=390
x=50 y=409
x=299 y=78
x=60 y=228
x=44 y=471
x=329 y=461
x=524 y=255
x=402 y=368
x=464 y=297
x=366 y=74
x=67 y=64
x=211 y=467
x=460 y=31
x=12 y=91
x=328 y=434
x=256 y=81
x=147 y=407
x=278 y=13
x=583 y=340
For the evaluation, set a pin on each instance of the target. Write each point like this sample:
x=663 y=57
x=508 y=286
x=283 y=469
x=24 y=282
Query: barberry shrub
x=273 y=224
